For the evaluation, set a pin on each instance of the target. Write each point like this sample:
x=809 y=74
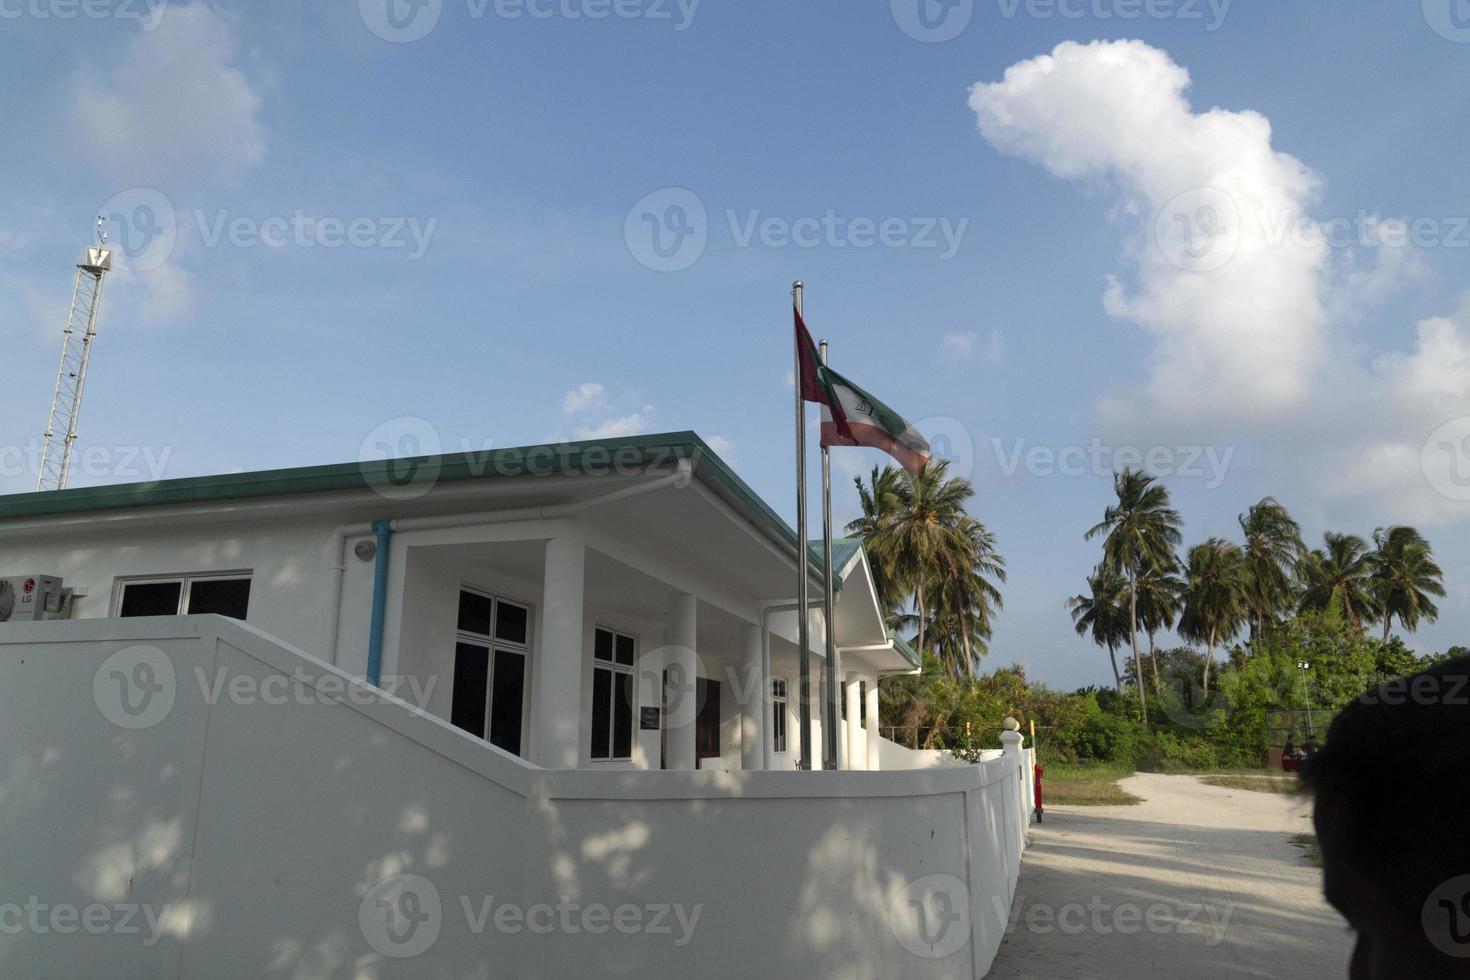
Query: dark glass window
x=474 y=613
x=506 y=699
x=602 y=646
x=471 y=675
x=601 y=713
x=625 y=654
x=707 y=723
x=778 y=715
x=623 y=717
x=223 y=597
x=510 y=622
x=151 y=598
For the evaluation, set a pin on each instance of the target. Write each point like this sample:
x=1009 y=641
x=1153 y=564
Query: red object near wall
x=1040 y=810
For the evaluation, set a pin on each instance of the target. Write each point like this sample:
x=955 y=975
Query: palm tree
x=1103 y=612
x=1404 y=577
x=1340 y=576
x=880 y=501
x=1273 y=550
x=1142 y=531
x=967 y=595
x=1215 y=596
x=1160 y=593
x=924 y=545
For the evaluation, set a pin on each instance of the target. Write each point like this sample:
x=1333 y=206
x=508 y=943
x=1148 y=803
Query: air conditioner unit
x=27 y=598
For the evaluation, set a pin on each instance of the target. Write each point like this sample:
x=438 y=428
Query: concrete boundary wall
x=187 y=797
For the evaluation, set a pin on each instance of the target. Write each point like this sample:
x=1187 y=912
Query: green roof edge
x=905 y=649
x=633 y=452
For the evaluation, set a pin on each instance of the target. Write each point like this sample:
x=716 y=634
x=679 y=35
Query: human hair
x=1395 y=772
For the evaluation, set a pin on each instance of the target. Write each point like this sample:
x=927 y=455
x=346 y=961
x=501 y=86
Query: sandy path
x=1197 y=881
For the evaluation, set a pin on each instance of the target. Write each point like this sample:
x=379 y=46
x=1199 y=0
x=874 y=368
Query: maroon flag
x=814 y=383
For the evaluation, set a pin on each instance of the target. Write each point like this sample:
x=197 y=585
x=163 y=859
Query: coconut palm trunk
x=1117 y=677
x=919 y=608
x=1133 y=636
x=1153 y=661
x=1209 y=659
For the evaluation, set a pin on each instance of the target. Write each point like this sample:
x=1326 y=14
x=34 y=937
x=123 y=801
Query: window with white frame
x=614 y=656
x=223 y=594
x=778 y=714
x=491 y=646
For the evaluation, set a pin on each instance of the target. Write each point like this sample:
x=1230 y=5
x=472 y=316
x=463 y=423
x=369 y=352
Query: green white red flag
x=851 y=416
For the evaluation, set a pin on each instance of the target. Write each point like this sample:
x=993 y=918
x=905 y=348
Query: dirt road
x=1196 y=881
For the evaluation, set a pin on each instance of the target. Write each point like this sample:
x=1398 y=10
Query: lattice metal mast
x=71 y=376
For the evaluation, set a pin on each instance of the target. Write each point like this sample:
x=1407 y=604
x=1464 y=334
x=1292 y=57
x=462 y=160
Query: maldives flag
x=851 y=416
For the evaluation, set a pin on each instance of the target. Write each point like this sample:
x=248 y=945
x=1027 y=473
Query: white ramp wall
x=188 y=798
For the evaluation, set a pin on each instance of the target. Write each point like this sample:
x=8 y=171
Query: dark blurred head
x=1392 y=788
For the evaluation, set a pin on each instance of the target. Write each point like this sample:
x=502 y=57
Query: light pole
x=1304 y=666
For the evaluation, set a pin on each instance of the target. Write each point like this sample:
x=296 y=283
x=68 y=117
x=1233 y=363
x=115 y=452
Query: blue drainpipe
x=384 y=531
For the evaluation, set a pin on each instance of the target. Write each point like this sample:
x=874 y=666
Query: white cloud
x=1116 y=112
x=721 y=445
x=585 y=397
x=589 y=411
x=960 y=346
x=627 y=425
x=175 y=108
x=1243 y=340
x=964 y=345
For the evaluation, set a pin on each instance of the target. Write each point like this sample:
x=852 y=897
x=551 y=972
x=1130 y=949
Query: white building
x=207 y=738
x=536 y=597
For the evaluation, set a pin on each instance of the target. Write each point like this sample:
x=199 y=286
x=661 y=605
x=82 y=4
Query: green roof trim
x=592 y=457
x=905 y=649
x=843 y=552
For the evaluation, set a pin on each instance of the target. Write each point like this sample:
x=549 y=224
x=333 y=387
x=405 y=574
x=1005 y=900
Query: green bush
x=1189 y=729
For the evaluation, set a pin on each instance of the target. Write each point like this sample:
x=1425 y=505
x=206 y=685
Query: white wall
x=262 y=830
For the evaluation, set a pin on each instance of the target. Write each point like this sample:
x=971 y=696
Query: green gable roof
x=906 y=649
x=633 y=453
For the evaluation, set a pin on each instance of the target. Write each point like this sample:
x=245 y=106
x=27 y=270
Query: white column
x=757 y=691
x=557 y=718
x=1011 y=744
x=650 y=695
x=873 y=734
x=682 y=665
x=837 y=719
x=857 y=747
x=768 y=733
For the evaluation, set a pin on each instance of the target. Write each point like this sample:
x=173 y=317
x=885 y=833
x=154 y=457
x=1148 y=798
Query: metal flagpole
x=804 y=653
x=832 y=717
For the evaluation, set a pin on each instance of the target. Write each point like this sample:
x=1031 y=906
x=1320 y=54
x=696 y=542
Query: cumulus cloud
x=584 y=397
x=1225 y=266
x=721 y=445
x=959 y=345
x=588 y=410
x=175 y=108
x=963 y=345
x=627 y=425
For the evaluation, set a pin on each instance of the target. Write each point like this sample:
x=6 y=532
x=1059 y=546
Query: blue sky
x=501 y=280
